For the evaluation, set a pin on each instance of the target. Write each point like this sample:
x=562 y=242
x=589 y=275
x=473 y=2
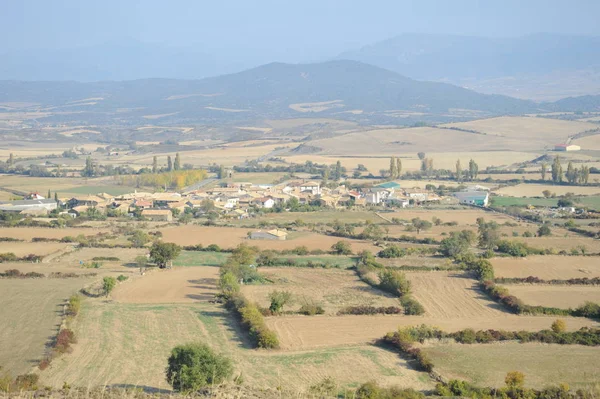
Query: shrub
x=108 y=284
x=64 y=339
x=392 y=251
x=193 y=366
x=279 y=299
x=394 y=282
x=26 y=382
x=74 y=305
x=122 y=278
x=514 y=379
x=310 y=308
x=341 y=248
x=411 y=306
x=107 y=258
x=369 y=310
x=559 y=326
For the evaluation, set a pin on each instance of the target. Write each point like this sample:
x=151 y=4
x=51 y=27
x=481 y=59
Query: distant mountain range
x=539 y=66
x=345 y=89
x=543 y=67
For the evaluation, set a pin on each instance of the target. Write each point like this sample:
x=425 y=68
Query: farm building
x=268 y=235
x=389 y=184
x=158 y=215
x=479 y=198
x=566 y=147
x=21 y=205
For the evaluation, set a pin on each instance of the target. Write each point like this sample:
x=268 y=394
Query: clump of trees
x=162 y=253
x=194 y=366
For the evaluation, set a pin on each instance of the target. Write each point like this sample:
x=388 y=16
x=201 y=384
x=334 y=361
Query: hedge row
x=253 y=321
x=537 y=280
x=501 y=294
x=11 y=257
x=370 y=310
x=15 y=273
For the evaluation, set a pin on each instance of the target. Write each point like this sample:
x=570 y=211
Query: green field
x=592 y=202
x=343 y=262
x=543 y=364
x=517 y=201
x=200 y=258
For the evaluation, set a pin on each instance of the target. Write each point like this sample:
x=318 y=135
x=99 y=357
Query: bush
x=369 y=310
x=392 y=251
x=559 y=326
x=121 y=278
x=310 y=308
x=74 y=305
x=411 y=306
x=194 y=366
x=253 y=321
x=64 y=339
x=394 y=282
x=279 y=299
x=341 y=248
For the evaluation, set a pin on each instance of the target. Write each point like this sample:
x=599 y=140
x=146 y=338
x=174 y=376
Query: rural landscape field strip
x=555 y=296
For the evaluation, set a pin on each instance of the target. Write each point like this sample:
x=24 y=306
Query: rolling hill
x=346 y=89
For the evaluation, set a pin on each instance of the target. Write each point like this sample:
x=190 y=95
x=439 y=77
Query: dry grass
x=26 y=248
x=559 y=243
x=180 y=285
x=128 y=345
x=230 y=237
x=589 y=142
x=302 y=332
x=27 y=233
x=541 y=131
x=31 y=310
x=555 y=296
x=451 y=296
x=333 y=289
x=535 y=190
x=542 y=364
x=547 y=267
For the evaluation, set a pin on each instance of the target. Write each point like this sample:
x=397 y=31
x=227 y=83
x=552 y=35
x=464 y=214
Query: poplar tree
x=169 y=163
x=398 y=167
x=393 y=168
x=458 y=170
x=177 y=163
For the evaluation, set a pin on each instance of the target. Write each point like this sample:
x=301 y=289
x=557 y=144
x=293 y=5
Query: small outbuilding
x=566 y=147
x=158 y=215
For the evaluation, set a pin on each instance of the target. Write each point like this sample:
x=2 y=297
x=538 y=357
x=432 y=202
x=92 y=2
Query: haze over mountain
x=540 y=66
x=346 y=89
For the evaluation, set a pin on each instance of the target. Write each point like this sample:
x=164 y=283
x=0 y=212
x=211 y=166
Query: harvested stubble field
x=230 y=237
x=66 y=187
x=26 y=248
x=462 y=216
x=327 y=216
x=179 y=285
x=556 y=296
x=111 y=351
x=451 y=295
x=547 y=267
x=27 y=233
x=303 y=332
x=441 y=232
x=535 y=190
x=543 y=364
x=560 y=243
x=333 y=289
x=31 y=313
x=125 y=255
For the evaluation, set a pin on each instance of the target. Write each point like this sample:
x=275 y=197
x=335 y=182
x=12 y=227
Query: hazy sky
x=284 y=29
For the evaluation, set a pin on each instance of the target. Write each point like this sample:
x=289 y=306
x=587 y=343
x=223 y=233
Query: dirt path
x=55 y=255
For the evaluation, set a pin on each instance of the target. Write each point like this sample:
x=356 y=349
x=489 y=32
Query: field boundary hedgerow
x=536 y=280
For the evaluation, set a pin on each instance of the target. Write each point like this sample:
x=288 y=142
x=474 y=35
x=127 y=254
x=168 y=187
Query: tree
x=398 y=167
x=546 y=193
x=139 y=238
x=341 y=248
x=473 y=169
x=429 y=162
x=421 y=224
x=514 y=379
x=88 y=170
x=458 y=170
x=584 y=175
x=221 y=173
x=544 y=230
x=154 y=164
x=177 y=163
x=557 y=172
x=571 y=174
x=489 y=233
x=543 y=170
x=163 y=252
x=394 y=281
x=55 y=196
x=108 y=284
x=337 y=171
x=565 y=202
x=421 y=155
x=228 y=283
x=169 y=163
x=559 y=326
x=11 y=160
x=393 y=172
x=194 y=366
x=243 y=255
x=278 y=300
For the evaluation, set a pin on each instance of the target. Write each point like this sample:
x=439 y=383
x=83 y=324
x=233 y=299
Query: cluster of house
x=236 y=199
